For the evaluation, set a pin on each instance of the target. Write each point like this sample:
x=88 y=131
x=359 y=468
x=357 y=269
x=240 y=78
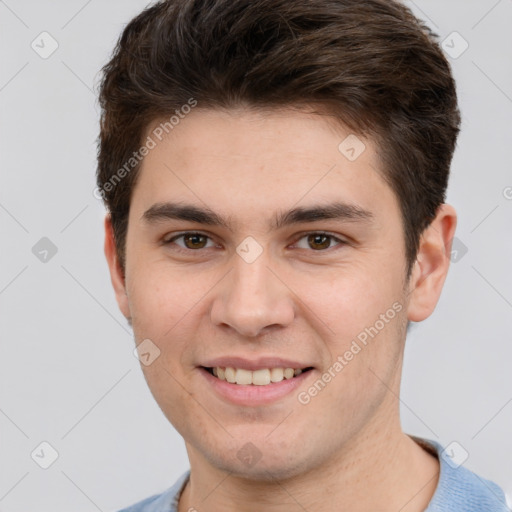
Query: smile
x=254 y=388
x=260 y=377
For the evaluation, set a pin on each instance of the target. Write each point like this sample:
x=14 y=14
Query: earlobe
x=432 y=263
x=116 y=275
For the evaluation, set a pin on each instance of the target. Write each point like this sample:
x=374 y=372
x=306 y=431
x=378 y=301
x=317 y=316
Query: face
x=255 y=243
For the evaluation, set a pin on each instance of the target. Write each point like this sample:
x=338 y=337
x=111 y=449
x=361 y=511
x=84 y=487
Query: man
x=275 y=176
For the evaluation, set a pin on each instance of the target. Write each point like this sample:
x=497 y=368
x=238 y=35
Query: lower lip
x=254 y=395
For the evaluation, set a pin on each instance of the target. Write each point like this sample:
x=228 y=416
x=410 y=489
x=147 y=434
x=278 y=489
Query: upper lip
x=259 y=363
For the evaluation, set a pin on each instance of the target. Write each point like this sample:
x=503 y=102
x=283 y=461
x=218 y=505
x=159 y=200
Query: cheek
x=344 y=302
x=360 y=317
x=170 y=308
x=165 y=309
x=169 y=390
x=160 y=297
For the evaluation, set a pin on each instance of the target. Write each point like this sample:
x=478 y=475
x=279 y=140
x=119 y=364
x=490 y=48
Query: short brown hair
x=372 y=65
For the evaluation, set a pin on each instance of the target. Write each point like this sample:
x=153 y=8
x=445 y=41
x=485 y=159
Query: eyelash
x=186 y=250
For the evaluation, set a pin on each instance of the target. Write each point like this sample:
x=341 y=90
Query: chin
x=264 y=466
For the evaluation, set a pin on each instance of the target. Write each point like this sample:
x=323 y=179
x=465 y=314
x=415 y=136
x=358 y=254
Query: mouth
x=260 y=377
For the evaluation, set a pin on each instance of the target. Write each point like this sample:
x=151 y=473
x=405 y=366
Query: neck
x=387 y=472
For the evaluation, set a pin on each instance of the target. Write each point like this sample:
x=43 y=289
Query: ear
x=431 y=265
x=116 y=274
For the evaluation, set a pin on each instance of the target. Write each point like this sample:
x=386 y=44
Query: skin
x=345 y=450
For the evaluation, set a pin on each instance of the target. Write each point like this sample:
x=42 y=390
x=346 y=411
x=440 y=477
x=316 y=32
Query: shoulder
x=463 y=488
x=166 y=501
x=459 y=488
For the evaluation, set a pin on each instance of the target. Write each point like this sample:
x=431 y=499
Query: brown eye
x=318 y=241
x=189 y=241
x=195 y=241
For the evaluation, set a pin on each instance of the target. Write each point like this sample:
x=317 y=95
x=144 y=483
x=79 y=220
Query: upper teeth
x=257 y=377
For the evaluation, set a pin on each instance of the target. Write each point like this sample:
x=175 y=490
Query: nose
x=252 y=299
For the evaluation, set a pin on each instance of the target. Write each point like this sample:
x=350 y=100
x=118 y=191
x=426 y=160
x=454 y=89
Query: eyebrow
x=161 y=212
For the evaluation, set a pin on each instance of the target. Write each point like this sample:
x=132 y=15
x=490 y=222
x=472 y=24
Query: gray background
x=68 y=374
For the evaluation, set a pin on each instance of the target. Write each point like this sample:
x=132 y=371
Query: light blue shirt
x=458 y=489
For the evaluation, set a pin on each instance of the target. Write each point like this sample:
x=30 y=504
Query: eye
x=191 y=241
x=194 y=241
x=318 y=241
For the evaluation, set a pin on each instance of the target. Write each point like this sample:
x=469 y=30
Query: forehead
x=243 y=133
x=246 y=162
